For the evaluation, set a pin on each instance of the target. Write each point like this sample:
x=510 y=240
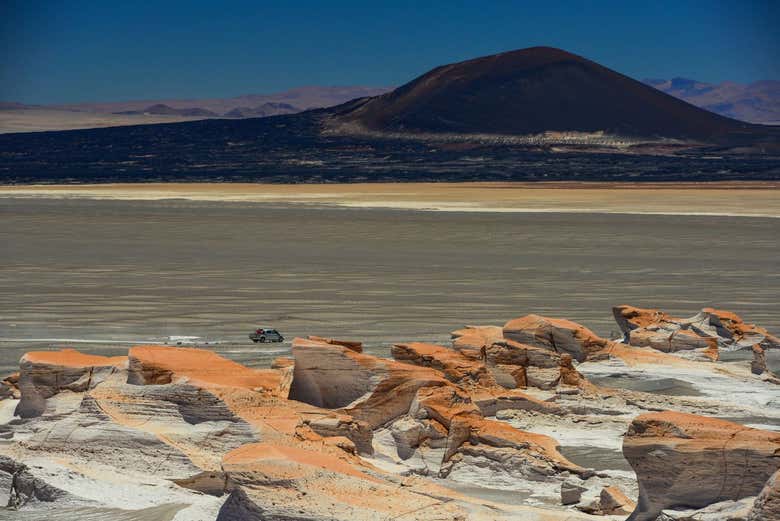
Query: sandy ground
x=37 y=120
x=729 y=199
x=91 y=273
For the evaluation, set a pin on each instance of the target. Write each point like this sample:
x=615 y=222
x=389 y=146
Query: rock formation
x=693 y=461
x=504 y=424
x=709 y=331
x=767 y=504
x=556 y=334
x=44 y=373
x=433 y=401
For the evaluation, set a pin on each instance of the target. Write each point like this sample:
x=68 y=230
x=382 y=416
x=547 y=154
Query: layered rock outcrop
x=694 y=461
x=474 y=338
x=556 y=334
x=710 y=331
x=42 y=374
x=334 y=433
x=435 y=400
x=767 y=504
x=369 y=389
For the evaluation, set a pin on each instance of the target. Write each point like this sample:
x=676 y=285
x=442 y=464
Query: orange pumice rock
x=630 y=317
x=767 y=504
x=71 y=358
x=708 y=331
x=671 y=340
x=349 y=344
x=43 y=374
x=730 y=324
x=476 y=337
x=569 y=375
x=613 y=501
x=475 y=438
x=282 y=362
x=558 y=335
x=370 y=389
x=161 y=365
x=9 y=387
x=687 y=460
x=455 y=366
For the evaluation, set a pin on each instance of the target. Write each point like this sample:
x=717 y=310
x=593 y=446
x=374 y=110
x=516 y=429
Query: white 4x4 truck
x=265 y=334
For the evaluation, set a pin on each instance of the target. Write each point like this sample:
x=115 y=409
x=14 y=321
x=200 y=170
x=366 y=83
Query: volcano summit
x=535 y=90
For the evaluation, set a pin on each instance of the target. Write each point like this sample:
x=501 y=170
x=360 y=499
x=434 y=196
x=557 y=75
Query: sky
x=73 y=51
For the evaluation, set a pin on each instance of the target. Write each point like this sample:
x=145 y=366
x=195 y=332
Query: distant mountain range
x=18 y=117
x=260 y=111
x=298 y=99
x=757 y=102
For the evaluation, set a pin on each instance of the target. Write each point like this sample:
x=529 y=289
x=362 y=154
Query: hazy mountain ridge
x=757 y=102
x=301 y=97
x=20 y=117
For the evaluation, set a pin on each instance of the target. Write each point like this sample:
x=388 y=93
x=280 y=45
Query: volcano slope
x=503 y=424
x=536 y=90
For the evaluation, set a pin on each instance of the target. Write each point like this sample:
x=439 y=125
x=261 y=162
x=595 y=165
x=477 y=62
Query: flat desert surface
x=757 y=199
x=44 y=119
x=96 y=267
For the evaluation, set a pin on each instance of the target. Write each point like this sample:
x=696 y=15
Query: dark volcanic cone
x=536 y=90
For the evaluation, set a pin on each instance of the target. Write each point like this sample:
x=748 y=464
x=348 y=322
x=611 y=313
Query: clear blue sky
x=69 y=51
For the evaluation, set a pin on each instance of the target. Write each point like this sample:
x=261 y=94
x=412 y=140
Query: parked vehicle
x=266 y=334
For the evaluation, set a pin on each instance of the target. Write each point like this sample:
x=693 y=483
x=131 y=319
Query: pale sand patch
x=749 y=199
x=44 y=119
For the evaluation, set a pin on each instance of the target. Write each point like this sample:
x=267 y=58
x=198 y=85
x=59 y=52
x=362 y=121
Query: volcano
x=536 y=90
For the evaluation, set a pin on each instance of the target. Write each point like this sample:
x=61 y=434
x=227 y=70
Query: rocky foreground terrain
x=512 y=422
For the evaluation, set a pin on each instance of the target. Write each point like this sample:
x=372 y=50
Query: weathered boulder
x=238 y=507
x=614 y=501
x=693 y=461
x=342 y=426
x=731 y=327
x=456 y=367
x=767 y=504
x=42 y=374
x=558 y=335
x=670 y=340
x=9 y=387
x=758 y=364
x=709 y=330
x=368 y=388
x=571 y=492
x=629 y=318
x=510 y=352
x=489 y=443
x=474 y=338
x=24 y=487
